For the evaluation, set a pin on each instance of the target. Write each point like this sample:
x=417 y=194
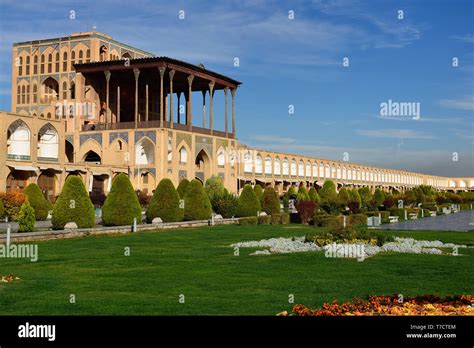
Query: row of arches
x=53 y=62
x=291 y=167
x=48 y=91
x=19 y=141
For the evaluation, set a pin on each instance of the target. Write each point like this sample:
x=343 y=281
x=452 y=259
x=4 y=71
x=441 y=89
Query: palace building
x=88 y=105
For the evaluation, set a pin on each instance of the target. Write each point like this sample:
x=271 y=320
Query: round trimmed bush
x=121 y=205
x=165 y=203
x=214 y=187
x=248 y=202
x=271 y=202
x=37 y=201
x=26 y=218
x=73 y=205
x=182 y=187
x=197 y=205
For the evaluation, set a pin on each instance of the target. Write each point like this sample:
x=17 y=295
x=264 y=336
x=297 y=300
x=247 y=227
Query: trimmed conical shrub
x=313 y=195
x=26 y=218
x=248 y=203
x=328 y=191
x=214 y=187
x=37 y=201
x=291 y=192
x=259 y=193
x=302 y=195
x=165 y=203
x=73 y=205
x=182 y=187
x=271 y=202
x=197 y=205
x=343 y=197
x=121 y=205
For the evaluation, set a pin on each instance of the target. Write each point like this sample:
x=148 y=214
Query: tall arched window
x=293 y=168
x=80 y=56
x=64 y=90
x=268 y=165
x=48 y=143
x=57 y=62
x=248 y=162
x=50 y=63
x=276 y=166
x=28 y=94
x=65 y=61
x=35 y=93
x=23 y=94
x=20 y=66
x=285 y=167
x=183 y=155
x=18 y=95
x=258 y=164
x=27 y=65
x=18 y=141
x=42 y=63
x=301 y=168
x=88 y=56
x=35 y=65
x=73 y=58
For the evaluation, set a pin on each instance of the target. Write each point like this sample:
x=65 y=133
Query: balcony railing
x=152 y=124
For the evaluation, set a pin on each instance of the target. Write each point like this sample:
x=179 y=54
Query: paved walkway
x=39 y=225
x=462 y=221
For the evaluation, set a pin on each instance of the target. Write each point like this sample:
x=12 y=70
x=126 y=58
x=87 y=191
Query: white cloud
x=394 y=133
x=469 y=38
x=466 y=103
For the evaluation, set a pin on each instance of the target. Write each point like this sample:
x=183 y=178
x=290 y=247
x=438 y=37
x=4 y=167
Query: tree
x=73 y=205
x=355 y=201
x=343 y=197
x=365 y=196
x=291 y=192
x=165 y=203
x=259 y=193
x=225 y=205
x=305 y=210
x=214 y=187
x=379 y=197
x=121 y=205
x=313 y=195
x=248 y=202
x=37 y=201
x=271 y=202
x=182 y=187
x=328 y=195
x=409 y=197
x=26 y=218
x=302 y=194
x=197 y=205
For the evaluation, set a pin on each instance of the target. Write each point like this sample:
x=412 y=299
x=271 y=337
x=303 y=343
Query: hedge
x=37 y=201
x=197 y=205
x=264 y=220
x=285 y=219
x=73 y=205
x=275 y=219
x=358 y=219
x=332 y=222
x=165 y=203
x=121 y=205
x=252 y=220
x=248 y=203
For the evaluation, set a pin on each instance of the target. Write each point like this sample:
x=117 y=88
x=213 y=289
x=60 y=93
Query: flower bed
x=392 y=306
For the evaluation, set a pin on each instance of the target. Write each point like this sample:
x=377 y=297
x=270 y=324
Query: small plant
x=26 y=218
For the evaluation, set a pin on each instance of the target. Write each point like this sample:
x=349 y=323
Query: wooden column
x=107 y=93
x=226 y=92
x=162 y=72
x=136 y=72
x=118 y=104
x=233 y=112
x=179 y=105
x=146 y=102
x=189 y=118
x=211 y=111
x=204 y=109
x=171 y=75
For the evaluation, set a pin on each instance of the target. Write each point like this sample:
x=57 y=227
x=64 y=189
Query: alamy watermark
x=353 y=251
x=400 y=109
x=23 y=251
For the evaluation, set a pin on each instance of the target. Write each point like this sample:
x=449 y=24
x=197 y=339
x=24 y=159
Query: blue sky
x=300 y=62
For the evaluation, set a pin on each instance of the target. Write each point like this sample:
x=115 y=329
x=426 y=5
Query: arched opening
x=285 y=167
x=276 y=166
x=293 y=168
x=202 y=166
x=97 y=193
x=17 y=181
x=69 y=148
x=268 y=165
x=18 y=141
x=92 y=157
x=183 y=155
x=103 y=52
x=47 y=184
x=50 y=90
x=48 y=143
x=220 y=157
x=145 y=152
x=248 y=162
x=258 y=164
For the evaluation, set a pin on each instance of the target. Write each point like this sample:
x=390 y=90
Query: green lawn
x=200 y=264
